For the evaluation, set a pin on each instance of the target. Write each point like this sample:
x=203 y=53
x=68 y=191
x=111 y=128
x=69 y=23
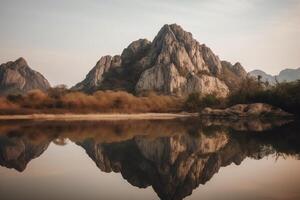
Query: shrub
x=196 y=103
x=192 y=102
x=100 y=101
x=284 y=95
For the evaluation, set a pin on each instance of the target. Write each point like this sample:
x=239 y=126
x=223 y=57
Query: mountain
x=287 y=75
x=174 y=63
x=264 y=76
x=18 y=77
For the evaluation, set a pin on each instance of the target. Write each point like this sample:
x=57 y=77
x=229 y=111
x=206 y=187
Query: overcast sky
x=63 y=39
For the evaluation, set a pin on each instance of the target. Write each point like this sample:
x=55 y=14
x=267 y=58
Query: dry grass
x=100 y=102
x=6 y=104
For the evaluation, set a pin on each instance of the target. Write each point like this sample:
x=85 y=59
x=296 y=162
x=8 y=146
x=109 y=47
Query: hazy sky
x=63 y=39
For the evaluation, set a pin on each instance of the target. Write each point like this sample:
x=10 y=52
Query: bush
x=283 y=95
x=192 y=103
x=196 y=103
x=100 y=101
x=246 y=93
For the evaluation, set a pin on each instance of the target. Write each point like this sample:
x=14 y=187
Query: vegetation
x=196 y=102
x=61 y=100
x=284 y=95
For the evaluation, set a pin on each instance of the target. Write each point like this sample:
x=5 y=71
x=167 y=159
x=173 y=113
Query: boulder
x=246 y=110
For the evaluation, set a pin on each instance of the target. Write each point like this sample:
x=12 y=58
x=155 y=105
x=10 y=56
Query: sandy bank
x=100 y=117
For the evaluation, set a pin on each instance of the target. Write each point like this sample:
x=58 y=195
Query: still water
x=153 y=159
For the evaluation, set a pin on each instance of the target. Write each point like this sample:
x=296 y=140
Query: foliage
x=196 y=102
x=284 y=95
x=246 y=92
x=60 y=99
x=63 y=100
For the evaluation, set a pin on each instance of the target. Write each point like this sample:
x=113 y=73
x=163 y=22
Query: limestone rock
x=95 y=76
x=180 y=62
x=174 y=63
x=246 y=110
x=232 y=75
x=135 y=51
x=18 y=77
x=205 y=84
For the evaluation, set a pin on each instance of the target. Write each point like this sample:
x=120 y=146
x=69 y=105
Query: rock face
x=18 y=77
x=174 y=63
x=233 y=75
x=246 y=110
x=286 y=75
x=95 y=76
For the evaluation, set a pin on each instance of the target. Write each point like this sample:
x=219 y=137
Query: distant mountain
x=174 y=63
x=264 y=76
x=287 y=75
x=18 y=77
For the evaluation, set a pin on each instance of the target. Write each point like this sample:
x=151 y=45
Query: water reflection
x=172 y=156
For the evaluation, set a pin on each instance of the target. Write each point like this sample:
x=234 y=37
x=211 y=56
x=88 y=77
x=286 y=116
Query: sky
x=63 y=39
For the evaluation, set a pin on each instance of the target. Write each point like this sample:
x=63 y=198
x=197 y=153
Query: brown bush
x=34 y=99
x=6 y=104
x=101 y=101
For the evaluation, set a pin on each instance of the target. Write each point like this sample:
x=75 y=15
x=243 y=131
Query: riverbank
x=99 y=117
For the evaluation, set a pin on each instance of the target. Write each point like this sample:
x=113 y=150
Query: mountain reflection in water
x=172 y=156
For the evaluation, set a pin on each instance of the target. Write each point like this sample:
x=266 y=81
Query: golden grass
x=100 y=102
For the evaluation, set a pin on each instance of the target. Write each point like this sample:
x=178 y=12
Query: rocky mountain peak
x=174 y=63
x=172 y=33
x=21 y=62
x=17 y=77
x=135 y=51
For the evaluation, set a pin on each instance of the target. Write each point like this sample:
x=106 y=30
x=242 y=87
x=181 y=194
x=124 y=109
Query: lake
x=150 y=159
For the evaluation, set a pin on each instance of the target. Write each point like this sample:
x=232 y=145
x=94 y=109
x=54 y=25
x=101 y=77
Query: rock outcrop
x=174 y=63
x=246 y=110
x=18 y=77
x=233 y=75
x=95 y=76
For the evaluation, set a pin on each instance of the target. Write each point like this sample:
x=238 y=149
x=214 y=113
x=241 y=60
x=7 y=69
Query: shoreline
x=98 y=117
